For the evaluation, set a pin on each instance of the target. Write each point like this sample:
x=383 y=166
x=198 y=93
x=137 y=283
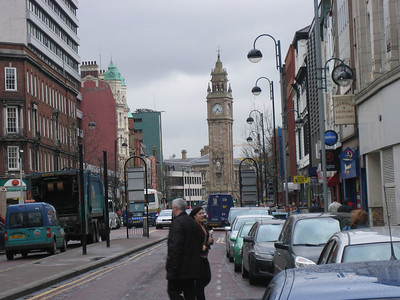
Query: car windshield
x=269 y=232
x=240 y=212
x=245 y=230
x=240 y=221
x=370 y=252
x=315 y=231
x=165 y=213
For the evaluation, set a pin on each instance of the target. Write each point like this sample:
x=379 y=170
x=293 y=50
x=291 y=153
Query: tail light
x=48 y=233
x=5 y=236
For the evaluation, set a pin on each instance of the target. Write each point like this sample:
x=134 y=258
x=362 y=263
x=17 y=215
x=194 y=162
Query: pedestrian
x=334 y=206
x=2 y=220
x=347 y=206
x=185 y=242
x=359 y=219
x=197 y=214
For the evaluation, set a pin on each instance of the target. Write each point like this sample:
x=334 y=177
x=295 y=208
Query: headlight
x=263 y=256
x=301 y=261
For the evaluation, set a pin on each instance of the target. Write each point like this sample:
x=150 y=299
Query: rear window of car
x=25 y=219
x=315 y=231
x=269 y=232
x=370 y=252
x=165 y=213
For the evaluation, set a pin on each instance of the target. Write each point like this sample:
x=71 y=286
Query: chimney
x=89 y=68
x=184 y=154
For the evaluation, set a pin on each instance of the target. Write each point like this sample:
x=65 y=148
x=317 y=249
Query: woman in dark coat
x=197 y=214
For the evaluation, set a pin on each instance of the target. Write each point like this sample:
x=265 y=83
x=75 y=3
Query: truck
x=218 y=206
x=61 y=189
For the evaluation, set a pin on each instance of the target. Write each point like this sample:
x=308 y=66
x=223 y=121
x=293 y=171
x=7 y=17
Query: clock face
x=342 y=75
x=217 y=109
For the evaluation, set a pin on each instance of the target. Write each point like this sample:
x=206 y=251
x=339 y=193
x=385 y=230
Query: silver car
x=164 y=219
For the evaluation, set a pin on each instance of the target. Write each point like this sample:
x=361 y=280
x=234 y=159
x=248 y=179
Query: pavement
x=24 y=279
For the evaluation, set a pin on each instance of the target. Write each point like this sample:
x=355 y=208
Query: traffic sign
x=301 y=179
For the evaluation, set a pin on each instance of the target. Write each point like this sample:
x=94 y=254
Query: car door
x=282 y=256
x=248 y=246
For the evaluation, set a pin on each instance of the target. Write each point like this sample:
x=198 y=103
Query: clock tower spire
x=220 y=137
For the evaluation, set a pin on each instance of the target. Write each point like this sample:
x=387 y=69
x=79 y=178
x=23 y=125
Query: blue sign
x=348 y=163
x=331 y=137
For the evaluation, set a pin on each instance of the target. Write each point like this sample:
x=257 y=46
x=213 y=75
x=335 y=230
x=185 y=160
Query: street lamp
x=124 y=144
x=21 y=199
x=249 y=139
x=256 y=90
x=250 y=121
x=255 y=56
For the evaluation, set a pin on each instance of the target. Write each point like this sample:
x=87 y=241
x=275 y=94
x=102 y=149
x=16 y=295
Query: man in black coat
x=185 y=241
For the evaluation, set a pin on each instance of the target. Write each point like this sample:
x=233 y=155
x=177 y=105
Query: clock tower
x=220 y=138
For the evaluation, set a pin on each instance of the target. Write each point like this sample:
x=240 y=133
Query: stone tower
x=220 y=121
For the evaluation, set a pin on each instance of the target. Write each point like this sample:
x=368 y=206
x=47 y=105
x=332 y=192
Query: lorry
x=218 y=206
x=61 y=189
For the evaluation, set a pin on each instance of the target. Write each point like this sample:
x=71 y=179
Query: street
x=142 y=276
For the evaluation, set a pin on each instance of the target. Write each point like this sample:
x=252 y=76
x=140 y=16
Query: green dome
x=113 y=73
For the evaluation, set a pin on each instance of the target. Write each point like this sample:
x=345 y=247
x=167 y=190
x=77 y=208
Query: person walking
x=359 y=219
x=197 y=214
x=185 y=243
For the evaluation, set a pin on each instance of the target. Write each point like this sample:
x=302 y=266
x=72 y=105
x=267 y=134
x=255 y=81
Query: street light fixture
x=256 y=90
x=255 y=56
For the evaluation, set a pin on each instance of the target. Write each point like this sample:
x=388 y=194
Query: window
x=11 y=79
x=12 y=119
x=12 y=154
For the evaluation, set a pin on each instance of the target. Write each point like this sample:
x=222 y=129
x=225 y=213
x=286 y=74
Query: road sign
x=301 y=179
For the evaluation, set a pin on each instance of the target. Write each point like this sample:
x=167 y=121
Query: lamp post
x=256 y=90
x=255 y=56
x=124 y=144
x=21 y=199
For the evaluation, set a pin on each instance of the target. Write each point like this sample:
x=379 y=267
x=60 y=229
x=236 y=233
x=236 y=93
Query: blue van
x=33 y=226
x=218 y=206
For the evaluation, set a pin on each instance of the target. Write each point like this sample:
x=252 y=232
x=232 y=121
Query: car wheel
x=64 y=246
x=245 y=273
x=9 y=255
x=24 y=253
x=230 y=258
x=237 y=266
x=53 y=248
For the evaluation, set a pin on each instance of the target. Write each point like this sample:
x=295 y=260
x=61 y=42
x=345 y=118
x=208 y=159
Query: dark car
x=303 y=237
x=258 y=249
x=366 y=244
x=363 y=280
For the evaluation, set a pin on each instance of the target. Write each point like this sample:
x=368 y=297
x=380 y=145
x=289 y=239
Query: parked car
x=303 y=236
x=363 y=280
x=33 y=226
x=357 y=245
x=231 y=232
x=246 y=210
x=258 y=249
x=164 y=219
x=2 y=236
x=237 y=251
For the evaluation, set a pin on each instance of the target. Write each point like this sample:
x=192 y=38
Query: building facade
x=39 y=91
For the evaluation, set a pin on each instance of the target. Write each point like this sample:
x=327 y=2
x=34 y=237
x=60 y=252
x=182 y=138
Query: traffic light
x=270 y=186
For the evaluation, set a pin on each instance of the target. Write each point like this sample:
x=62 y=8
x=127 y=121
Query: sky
x=166 y=49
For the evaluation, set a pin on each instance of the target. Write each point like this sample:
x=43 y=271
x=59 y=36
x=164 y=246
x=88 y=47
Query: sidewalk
x=33 y=276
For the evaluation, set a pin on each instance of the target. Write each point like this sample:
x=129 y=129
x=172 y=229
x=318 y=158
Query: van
x=218 y=206
x=33 y=226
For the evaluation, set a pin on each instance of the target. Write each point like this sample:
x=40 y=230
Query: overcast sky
x=165 y=50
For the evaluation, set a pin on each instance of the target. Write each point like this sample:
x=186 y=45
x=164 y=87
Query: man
x=185 y=241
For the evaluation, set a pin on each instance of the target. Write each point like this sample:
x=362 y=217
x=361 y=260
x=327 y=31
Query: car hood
x=264 y=247
x=365 y=280
x=310 y=252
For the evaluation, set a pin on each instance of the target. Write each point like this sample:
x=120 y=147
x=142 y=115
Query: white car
x=164 y=219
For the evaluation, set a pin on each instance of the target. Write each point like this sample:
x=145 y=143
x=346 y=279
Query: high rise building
x=40 y=96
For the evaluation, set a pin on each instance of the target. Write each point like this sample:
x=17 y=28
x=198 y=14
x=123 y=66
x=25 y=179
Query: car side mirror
x=248 y=239
x=280 y=245
x=228 y=228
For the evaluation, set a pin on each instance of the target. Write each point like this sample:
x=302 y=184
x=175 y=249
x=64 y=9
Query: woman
x=359 y=219
x=197 y=214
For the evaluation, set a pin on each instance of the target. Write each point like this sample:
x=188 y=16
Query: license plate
x=17 y=236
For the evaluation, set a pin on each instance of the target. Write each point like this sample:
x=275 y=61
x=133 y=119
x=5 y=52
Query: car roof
x=369 y=235
x=363 y=280
x=254 y=216
x=272 y=221
x=319 y=215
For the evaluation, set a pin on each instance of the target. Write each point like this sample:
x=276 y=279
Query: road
x=142 y=276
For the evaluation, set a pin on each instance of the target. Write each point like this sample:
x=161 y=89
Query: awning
x=334 y=180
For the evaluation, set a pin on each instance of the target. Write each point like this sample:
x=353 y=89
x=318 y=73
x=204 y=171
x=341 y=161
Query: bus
x=154 y=199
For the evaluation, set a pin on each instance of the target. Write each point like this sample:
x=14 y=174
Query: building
x=39 y=91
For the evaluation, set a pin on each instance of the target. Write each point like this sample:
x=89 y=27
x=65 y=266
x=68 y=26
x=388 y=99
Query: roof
x=113 y=73
x=371 y=235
